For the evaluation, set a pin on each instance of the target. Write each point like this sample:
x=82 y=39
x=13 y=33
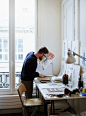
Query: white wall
x=82 y=28
x=83 y=22
x=49 y=29
x=80 y=34
x=49 y=26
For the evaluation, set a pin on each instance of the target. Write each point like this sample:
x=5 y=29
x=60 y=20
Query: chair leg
x=39 y=111
x=26 y=111
x=34 y=111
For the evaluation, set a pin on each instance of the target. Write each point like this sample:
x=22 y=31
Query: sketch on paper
x=68 y=70
x=75 y=74
x=64 y=49
x=63 y=68
x=75 y=48
x=83 y=53
x=62 y=72
x=46 y=60
x=69 y=45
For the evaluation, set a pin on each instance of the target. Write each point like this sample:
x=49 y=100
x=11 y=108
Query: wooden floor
x=19 y=114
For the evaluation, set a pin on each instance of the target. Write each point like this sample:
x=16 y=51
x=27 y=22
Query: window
x=4 y=52
x=19 y=50
x=17 y=38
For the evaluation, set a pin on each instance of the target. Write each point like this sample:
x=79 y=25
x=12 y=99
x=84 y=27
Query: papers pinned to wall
x=46 y=60
x=75 y=48
x=75 y=75
x=62 y=72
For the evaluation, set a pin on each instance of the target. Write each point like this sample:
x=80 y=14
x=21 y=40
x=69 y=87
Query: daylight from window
x=24 y=37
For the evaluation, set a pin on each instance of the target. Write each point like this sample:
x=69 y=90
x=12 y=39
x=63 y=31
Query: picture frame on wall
x=75 y=48
x=83 y=53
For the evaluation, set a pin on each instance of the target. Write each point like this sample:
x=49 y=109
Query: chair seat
x=33 y=102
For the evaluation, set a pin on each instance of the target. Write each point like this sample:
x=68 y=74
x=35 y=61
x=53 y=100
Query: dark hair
x=43 y=50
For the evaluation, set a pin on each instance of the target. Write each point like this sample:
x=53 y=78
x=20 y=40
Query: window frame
x=12 y=89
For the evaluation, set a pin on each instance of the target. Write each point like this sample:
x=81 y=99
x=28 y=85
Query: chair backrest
x=21 y=89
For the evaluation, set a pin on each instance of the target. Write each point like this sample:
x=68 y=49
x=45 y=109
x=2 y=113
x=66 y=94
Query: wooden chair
x=31 y=102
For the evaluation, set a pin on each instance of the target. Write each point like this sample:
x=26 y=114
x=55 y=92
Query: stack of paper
x=44 y=80
x=57 y=78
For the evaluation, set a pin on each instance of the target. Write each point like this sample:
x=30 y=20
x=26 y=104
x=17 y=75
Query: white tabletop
x=47 y=95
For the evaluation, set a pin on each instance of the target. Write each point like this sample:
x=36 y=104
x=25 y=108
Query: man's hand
x=41 y=75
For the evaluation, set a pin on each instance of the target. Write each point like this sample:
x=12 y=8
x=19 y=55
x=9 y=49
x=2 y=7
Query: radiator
x=10 y=101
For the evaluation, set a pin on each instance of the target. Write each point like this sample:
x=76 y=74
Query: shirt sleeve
x=36 y=74
x=31 y=69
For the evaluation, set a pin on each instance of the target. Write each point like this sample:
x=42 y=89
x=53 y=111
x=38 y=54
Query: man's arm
x=31 y=70
x=41 y=75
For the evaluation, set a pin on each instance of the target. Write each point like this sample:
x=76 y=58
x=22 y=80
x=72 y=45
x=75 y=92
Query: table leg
x=37 y=92
x=52 y=107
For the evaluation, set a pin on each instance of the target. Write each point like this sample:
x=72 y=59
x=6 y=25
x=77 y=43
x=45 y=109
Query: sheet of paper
x=48 y=75
x=46 y=92
x=51 y=85
x=57 y=78
x=45 y=78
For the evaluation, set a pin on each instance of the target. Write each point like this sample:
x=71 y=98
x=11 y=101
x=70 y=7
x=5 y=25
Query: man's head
x=42 y=52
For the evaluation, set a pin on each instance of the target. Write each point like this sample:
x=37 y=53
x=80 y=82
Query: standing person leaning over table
x=28 y=72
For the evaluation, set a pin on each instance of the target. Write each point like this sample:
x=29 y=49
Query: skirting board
x=8 y=111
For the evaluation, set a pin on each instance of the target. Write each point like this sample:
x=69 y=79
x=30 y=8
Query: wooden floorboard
x=18 y=114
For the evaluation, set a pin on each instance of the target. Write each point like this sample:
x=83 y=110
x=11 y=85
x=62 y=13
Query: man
x=28 y=72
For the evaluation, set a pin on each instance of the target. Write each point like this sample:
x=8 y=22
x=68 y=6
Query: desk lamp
x=71 y=58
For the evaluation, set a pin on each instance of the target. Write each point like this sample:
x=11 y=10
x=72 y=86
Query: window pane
x=15 y=45
x=5 y=45
x=1 y=57
x=24 y=33
x=0 y=45
x=20 y=45
x=20 y=57
x=15 y=56
x=5 y=57
x=4 y=41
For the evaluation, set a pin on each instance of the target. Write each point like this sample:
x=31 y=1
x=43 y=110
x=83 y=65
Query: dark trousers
x=29 y=87
x=28 y=93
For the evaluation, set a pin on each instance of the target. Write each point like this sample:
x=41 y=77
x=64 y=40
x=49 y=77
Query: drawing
x=68 y=70
x=69 y=45
x=75 y=48
x=75 y=74
x=62 y=72
x=63 y=69
x=64 y=49
x=83 y=53
x=46 y=60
